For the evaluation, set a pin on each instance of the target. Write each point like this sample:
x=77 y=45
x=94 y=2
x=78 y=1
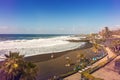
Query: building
x=105 y=33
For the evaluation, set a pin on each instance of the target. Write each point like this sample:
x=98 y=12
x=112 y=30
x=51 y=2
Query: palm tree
x=16 y=68
x=11 y=65
x=80 y=58
x=96 y=47
x=29 y=71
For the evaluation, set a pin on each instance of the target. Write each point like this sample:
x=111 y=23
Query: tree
x=29 y=71
x=80 y=57
x=16 y=68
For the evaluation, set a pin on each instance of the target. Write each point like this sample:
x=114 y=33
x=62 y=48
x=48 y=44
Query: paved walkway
x=74 y=77
x=108 y=72
x=116 y=36
x=110 y=54
x=77 y=75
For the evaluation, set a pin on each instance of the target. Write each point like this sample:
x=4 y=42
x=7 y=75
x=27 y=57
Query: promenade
x=77 y=76
x=108 y=72
x=116 y=36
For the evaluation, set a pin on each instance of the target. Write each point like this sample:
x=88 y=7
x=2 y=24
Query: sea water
x=35 y=44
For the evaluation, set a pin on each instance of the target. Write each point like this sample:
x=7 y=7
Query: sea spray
x=37 y=45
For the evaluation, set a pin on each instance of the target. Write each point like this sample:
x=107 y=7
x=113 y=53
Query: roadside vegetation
x=14 y=67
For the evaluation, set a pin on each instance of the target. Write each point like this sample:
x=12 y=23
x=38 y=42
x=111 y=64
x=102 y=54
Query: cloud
x=8 y=29
x=61 y=29
x=115 y=27
x=3 y=27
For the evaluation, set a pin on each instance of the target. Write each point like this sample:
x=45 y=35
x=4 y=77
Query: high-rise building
x=105 y=33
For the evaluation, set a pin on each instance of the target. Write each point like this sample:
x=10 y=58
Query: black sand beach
x=50 y=67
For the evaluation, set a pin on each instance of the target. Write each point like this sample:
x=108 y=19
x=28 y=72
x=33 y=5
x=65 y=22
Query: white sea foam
x=38 y=46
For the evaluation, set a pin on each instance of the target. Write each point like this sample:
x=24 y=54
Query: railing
x=86 y=75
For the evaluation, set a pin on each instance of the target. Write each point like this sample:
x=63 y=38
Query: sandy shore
x=49 y=67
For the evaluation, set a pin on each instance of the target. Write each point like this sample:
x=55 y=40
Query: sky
x=58 y=16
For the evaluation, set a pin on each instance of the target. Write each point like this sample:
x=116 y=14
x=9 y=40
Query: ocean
x=34 y=44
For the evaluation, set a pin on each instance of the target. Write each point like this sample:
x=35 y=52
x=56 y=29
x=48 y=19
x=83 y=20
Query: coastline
x=45 y=57
x=50 y=67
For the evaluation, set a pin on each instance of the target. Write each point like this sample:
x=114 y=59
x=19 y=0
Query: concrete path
x=77 y=76
x=74 y=77
x=110 y=54
x=108 y=72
